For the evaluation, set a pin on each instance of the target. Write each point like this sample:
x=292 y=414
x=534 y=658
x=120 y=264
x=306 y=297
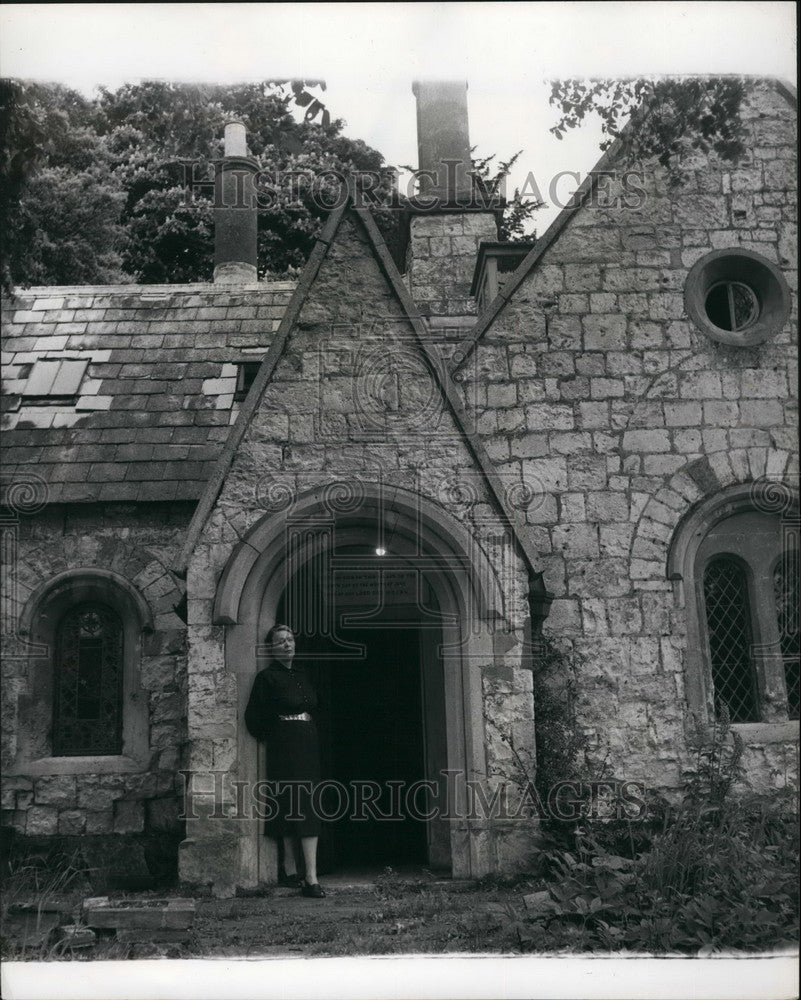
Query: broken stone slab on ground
x=141 y=919
x=77 y=936
x=142 y=935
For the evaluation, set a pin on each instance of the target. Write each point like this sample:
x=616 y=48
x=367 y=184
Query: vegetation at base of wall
x=713 y=873
x=709 y=882
x=561 y=743
x=38 y=884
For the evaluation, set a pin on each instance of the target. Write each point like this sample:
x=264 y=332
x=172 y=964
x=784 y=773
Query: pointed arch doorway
x=398 y=664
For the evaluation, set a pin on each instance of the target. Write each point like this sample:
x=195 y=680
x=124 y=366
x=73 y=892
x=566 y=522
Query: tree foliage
x=518 y=211
x=675 y=117
x=119 y=188
x=61 y=201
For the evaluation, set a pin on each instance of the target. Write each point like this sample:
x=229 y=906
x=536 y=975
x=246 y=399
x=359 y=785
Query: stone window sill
x=767 y=732
x=78 y=765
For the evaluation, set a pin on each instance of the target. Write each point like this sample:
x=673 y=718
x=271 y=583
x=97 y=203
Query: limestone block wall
x=594 y=388
x=137 y=543
x=440 y=259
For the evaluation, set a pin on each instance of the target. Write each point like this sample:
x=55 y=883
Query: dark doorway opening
x=381 y=716
x=374 y=748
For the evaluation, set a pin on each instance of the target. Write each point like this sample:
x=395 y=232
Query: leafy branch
x=304 y=99
x=517 y=210
x=675 y=118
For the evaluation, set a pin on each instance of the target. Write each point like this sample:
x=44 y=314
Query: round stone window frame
x=737 y=265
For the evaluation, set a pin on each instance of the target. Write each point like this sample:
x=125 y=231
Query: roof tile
x=118 y=491
x=144 y=425
x=94 y=402
x=50 y=344
x=156 y=491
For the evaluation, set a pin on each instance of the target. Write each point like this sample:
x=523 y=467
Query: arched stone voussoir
x=704 y=490
x=411 y=515
x=82 y=575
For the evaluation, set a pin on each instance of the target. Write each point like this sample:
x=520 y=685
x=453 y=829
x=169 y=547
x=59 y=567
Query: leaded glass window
x=88 y=703
x=785 y=589
x=728 y=620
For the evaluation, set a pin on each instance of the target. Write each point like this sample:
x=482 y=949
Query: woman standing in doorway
x=279 y=712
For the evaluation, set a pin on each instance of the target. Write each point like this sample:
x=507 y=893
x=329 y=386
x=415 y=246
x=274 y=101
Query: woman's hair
x=276 y=628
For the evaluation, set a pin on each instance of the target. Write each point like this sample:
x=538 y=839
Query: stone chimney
x=443 y=141
x=448 y=220
x=235 y=211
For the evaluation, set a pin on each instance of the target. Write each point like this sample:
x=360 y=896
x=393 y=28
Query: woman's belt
x=300 y=717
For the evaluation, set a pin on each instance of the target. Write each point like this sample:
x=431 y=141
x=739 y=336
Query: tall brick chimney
x=235 y=212
x=448 y=220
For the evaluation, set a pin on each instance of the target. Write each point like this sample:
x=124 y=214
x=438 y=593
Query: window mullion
x=767 y=651
x=732 y=307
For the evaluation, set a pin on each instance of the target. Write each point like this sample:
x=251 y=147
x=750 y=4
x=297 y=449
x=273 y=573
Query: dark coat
x=293 y=754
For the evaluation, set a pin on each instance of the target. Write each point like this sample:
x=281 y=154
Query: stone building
x=591 y=438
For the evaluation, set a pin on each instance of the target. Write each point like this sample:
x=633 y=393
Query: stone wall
x=137 y=542
x=592 y=386
x=441 y=257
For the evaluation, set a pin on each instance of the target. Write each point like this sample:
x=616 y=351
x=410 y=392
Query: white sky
x=370 y=53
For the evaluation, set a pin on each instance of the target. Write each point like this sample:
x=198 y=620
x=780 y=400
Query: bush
x=711 y=875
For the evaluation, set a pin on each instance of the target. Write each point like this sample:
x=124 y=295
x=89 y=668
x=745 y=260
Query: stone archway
x=467 y=594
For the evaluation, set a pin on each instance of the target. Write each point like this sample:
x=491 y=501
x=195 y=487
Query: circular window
x=732 y=305
x=737 y=297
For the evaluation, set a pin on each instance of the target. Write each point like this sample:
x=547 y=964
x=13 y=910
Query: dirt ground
x=382 y=916
x=360 y=920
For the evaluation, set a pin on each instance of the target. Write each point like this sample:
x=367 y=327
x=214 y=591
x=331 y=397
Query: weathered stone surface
x=150 y=914
x=71 y=821
x=539 y=902
x=41 y=820
x=56 y=790
x=129 y=817
x=77 y=936
x=99 y=792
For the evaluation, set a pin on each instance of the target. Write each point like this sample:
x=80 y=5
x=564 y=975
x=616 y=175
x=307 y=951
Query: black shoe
x=312 y=890
x=293 y=881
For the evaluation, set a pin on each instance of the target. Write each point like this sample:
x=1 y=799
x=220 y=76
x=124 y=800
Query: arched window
x=737 y=567
x=87 y=682
x=83 y=709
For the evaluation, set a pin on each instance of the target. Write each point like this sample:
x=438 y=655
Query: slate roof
x=155 y=404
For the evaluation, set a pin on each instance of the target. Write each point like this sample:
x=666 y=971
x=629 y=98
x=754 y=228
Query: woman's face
x=283 y=644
